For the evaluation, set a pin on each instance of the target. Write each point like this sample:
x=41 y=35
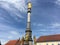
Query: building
x=48 y=40
x=13 y=42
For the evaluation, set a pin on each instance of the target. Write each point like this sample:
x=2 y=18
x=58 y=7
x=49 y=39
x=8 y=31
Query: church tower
x=28 y=35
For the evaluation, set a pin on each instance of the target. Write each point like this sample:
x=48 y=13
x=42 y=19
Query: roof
x=13 y=42
x=49 y=38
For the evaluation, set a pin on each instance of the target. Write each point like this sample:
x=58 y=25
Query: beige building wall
x=48 y=43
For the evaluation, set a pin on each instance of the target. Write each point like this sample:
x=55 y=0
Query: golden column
x=28 y=35
x=28 y=31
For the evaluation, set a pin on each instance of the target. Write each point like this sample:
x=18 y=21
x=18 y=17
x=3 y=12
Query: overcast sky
x=45 y=18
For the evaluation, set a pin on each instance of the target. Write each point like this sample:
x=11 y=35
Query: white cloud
x=19 y=4
x=9 y=33
x=49 y=29
x=37 y=24
x=58 y=2
x=6 y=27
x=14 y=8
x=3 y=41
x=54 y=26
x=14 y=32
x=42 y=30
x=10 y=37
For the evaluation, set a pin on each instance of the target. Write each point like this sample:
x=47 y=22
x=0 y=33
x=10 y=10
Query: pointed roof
x=49 y=38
